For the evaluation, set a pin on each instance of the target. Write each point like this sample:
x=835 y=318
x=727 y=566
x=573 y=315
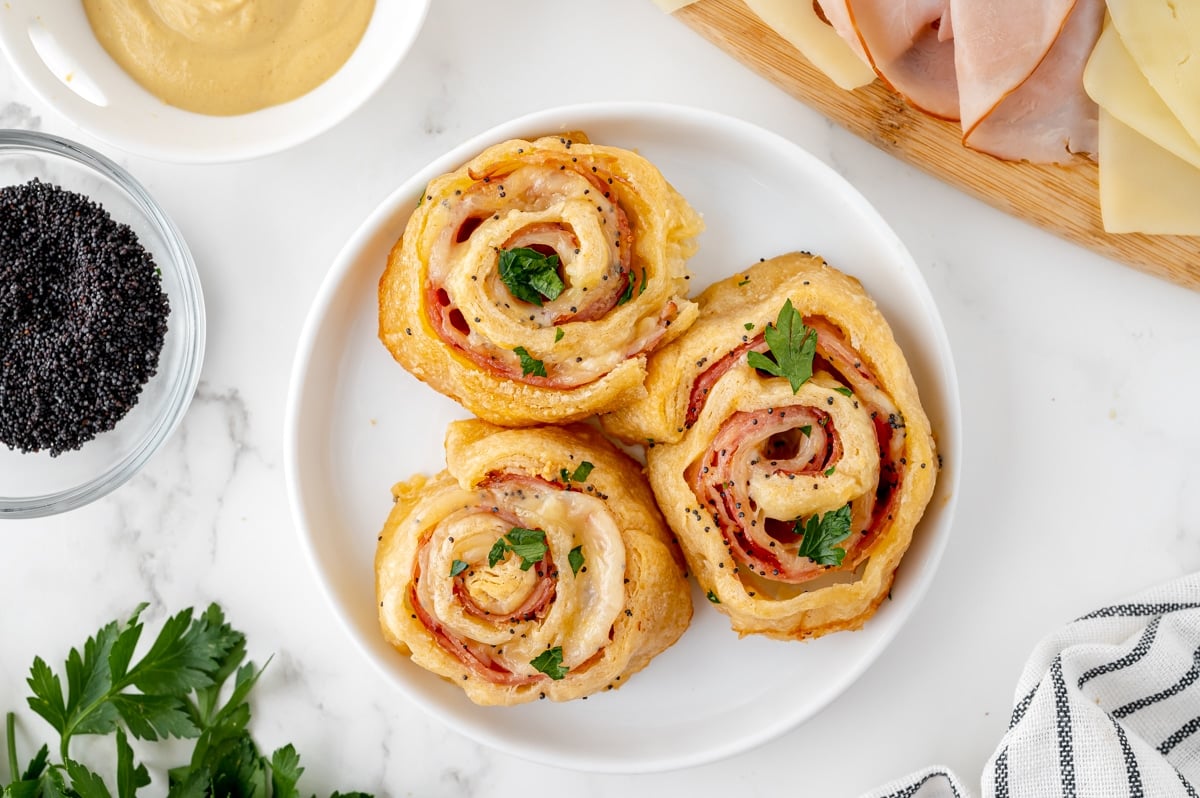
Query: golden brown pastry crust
x=482 y=627
x=752 y=458
x=622 y=234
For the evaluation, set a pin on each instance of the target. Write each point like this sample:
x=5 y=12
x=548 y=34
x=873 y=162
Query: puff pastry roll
x=794 y=497
x=535 y=566
x=531 y=283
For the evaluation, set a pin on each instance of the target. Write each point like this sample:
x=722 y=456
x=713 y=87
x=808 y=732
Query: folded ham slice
x=1020 y=76
x=909 y=43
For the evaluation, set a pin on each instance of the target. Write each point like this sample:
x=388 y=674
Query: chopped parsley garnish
x=806 y=430
x=749 y=325
x=822 y=533
x=549 y=662
x=529 y=363
x=627 y=294
x=829 y=471
x=580 y=474
x=713 y=597
x=744 y=282
x=575 y=558
x=792 y=346
x=528 y=544
x=844 y=391
x=457 y=567
x=558 y=334
x=529 y=275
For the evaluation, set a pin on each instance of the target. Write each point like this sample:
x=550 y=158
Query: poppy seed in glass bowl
x=83 y=318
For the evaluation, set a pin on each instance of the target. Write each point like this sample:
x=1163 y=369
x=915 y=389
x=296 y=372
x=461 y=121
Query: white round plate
x=51 y=46
x=357 y=422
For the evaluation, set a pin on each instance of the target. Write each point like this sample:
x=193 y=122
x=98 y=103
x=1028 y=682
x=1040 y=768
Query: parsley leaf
x=529 y=275
x=806 y=430
x=285 y=772
x=528 y=544
x=129 y=776
x=792 y=347
x=529 y=363
x=499 y=548
x=821 y=533
x=558 y=334
x=85 y=783
x=575 y=558
x=713 y=597
x=457 y=567
x=627 y=294
x=580 y=474
x=549 y=662
x=844 y=391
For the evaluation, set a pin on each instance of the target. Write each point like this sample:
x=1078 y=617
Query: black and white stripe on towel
x=1108 y=706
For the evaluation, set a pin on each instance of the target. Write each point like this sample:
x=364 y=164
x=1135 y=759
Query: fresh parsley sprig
x=529 y=275
x=173 y=690
x=792 y=347
x=822 y=533
x=105 y=685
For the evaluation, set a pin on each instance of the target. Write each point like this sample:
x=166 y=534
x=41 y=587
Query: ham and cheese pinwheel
x=535 y=566
x=793 y=496
x=531 y=283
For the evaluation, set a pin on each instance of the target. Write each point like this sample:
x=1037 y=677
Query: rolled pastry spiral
x=793 y=508
x=535 y=566
x=571 y=340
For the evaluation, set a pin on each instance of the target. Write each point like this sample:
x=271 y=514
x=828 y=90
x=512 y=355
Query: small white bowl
x=52 y=47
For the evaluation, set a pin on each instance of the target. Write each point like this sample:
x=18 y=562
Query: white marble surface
x=1081 y=477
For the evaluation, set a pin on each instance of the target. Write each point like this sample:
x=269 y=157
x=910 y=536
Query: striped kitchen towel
x=1108 y=706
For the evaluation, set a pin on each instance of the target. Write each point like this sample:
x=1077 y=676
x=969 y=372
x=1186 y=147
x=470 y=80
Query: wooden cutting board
x=1063 y=200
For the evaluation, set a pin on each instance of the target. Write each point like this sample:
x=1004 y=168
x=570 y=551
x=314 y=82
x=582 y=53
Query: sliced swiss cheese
x=1113 y=80
x=1163 y=36
x=1144 y=188
x=797 y=21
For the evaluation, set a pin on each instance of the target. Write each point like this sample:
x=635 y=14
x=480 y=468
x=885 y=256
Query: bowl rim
x=191 y=318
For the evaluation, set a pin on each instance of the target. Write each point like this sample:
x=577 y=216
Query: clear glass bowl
x=36 y=484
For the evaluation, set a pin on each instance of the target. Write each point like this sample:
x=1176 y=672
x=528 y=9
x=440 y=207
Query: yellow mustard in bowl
x=226 y=57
